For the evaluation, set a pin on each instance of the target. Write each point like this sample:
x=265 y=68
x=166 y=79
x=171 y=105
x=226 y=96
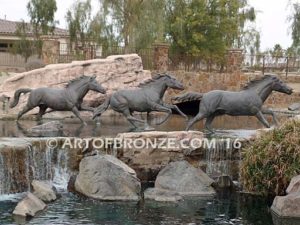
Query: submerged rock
x=162 y=195
x=44 y=190
x=29 y=206
x=47 y=129
x=183 y=178
x=105 y=177
x=224 y=181
x=289 y=205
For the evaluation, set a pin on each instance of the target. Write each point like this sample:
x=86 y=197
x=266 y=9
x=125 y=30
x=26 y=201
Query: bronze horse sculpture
x=59 y=99
x=247 y=102
x=147 y=98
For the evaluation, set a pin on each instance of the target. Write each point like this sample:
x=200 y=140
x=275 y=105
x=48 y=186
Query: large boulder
x=114 y=73
x=289 y=205
x=44 y=190
x=29 y=206
x=105 y=177
x=160 y=148
x=185 y=179
x=294 y=185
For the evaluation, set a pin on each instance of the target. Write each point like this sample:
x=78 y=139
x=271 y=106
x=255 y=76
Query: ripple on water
x=222 y=209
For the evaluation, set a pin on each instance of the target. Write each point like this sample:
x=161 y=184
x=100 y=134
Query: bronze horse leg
x=208 y=122
x=198 y=117
x=161 y=108
x=24 y=110
x=270 y=112
x=42 y=111
x=262 y=119
x=131 y=118
x=175 y=107
x=77 y=114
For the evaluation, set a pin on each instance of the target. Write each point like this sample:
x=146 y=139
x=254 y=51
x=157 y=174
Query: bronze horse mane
x=156 y=77
x=75 y=80
x=256 y=81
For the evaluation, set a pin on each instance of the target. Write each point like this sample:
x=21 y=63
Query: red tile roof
x=9 y=28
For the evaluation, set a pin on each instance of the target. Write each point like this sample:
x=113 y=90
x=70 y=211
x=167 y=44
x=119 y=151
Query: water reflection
x=112 y=125
x=225 y=208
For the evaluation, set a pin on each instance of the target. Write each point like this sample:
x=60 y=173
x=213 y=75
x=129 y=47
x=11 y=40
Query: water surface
x=225 y=208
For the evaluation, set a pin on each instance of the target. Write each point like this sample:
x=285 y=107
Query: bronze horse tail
x=17 y=96
x=189 y=96
x=102 y=108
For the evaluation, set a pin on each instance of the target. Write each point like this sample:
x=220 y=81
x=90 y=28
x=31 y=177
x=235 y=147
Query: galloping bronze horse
x=247 y=102
x=147 y=98
x=59 y=99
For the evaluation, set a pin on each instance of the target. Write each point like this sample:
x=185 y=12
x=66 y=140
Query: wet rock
x=44 y=190
x=71 y=184
x=289 y=205
x=183 y=178
x=52 y=128
x=105 y=177
x=29 y=206
x=148 y=160
x=161 y=195
x=224 y=181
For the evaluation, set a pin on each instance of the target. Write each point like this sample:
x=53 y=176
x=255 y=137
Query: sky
x=271 y=18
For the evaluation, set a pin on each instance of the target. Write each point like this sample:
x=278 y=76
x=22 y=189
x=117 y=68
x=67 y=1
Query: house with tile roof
x=8 y=37
x=8 y=34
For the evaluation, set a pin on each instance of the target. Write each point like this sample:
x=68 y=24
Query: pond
x=112 y=125
x=225 y=208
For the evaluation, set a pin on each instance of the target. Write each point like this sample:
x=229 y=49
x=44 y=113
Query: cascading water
x=221 y=158
x=61 y=175
x=21 y=164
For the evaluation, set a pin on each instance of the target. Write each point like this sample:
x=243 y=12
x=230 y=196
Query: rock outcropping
x=113 y=73
x=104 y=177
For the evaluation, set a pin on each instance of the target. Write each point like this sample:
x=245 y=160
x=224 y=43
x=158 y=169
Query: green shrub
x=272 y=160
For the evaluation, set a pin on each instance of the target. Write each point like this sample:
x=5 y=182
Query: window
x=3 y=47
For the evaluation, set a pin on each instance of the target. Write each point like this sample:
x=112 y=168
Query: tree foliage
x=24 y=46
x=42 y=22
x=41 y=15
x=79 y=22
x=207 y=27
x=294 y=18
x=197 y=27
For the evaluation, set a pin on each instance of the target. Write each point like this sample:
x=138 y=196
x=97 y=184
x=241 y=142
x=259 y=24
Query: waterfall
x=20 y=164
x=221 y=158
x=62 y=173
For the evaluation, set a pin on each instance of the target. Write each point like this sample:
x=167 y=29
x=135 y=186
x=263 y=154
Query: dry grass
x=272 y=160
